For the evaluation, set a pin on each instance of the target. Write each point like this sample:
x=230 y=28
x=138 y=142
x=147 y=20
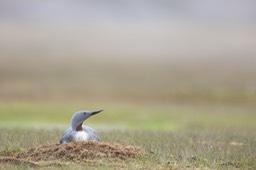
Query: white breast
x=81 y=136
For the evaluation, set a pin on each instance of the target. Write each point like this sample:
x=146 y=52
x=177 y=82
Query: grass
x=175 y=136
x=128 y=116
x=230 y=148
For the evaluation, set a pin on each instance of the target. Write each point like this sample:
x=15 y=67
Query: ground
x=182 y=136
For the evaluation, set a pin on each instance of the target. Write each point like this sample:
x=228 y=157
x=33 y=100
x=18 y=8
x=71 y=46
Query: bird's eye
x=84 y=113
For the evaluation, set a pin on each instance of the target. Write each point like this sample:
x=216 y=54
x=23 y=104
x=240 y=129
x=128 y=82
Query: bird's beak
x=96 y=112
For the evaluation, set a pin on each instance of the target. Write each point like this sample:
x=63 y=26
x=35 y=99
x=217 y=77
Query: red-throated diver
x=78 y=132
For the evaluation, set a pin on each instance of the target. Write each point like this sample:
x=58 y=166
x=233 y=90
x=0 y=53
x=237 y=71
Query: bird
x=79 y=132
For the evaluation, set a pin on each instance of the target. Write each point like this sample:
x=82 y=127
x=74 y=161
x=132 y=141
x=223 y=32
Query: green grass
x=128 y=116
x=181 y=149
x=175 y=136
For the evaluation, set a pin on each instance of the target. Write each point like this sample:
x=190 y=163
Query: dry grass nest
x=74 y=152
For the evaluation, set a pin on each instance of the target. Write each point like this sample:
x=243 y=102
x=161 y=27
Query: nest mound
x=79 y=151
x=76 y=152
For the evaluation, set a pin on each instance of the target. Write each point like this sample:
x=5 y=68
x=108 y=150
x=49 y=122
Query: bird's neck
x=79 y=127
x=76 y=125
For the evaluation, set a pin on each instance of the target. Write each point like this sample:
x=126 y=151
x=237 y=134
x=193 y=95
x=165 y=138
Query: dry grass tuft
x=16 y=161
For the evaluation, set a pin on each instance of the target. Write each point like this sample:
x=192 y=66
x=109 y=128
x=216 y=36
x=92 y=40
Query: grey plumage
x=68 y=135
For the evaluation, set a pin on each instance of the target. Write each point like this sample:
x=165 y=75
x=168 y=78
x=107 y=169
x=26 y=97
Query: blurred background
x=152 y=64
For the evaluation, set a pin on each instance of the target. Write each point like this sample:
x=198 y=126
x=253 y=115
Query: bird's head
x=79 y=117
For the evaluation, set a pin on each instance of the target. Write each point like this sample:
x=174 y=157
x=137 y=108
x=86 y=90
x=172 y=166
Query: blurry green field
x=184 y=117
x=128 y=116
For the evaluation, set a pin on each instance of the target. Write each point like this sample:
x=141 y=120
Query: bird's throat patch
x=79 y=127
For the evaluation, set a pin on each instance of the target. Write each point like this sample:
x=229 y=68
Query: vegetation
x=180 y=136
x=203 y=149
x=181 y=119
